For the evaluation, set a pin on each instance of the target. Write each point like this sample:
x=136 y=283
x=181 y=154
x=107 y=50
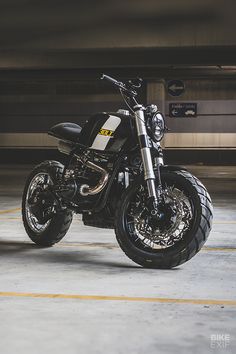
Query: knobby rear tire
x=61 y=222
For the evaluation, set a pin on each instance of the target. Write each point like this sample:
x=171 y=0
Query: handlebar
x=109 y=78
x=120 y=84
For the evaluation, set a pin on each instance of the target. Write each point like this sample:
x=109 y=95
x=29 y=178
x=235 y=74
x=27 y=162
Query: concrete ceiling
x=76 y=24
x=110 y=33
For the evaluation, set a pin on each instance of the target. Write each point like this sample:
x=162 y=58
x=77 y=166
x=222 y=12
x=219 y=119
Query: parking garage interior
x=84 y=295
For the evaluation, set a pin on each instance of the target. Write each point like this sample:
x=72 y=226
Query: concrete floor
x=85 y=296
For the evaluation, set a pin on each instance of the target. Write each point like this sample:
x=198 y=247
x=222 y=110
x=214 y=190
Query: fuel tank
x=109 y=132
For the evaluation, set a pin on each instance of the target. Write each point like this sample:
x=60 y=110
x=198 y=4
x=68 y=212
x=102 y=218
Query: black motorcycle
x=115 y=177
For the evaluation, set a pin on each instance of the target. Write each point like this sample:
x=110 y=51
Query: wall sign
x=183 y=110
x=175 y=87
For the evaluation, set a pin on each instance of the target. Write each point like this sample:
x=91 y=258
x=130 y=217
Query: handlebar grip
x=109 y=78
x=120 y=84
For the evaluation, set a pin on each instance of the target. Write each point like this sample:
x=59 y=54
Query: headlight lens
x=156 y=126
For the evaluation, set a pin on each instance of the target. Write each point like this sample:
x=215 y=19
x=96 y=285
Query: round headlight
x=156 y=126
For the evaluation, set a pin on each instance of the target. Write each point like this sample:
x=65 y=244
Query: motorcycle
x=115 y=177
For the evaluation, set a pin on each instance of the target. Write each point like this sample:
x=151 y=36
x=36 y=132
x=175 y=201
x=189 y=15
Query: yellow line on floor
x=224 y=249
x=108 y=246
x=111 y=246
x=85 y=244
x=9 y=211
x=10 y=218
x=224 y=222
x=121 y=298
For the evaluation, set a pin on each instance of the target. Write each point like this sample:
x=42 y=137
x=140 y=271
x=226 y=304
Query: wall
x=215 y=124
x=30 y=105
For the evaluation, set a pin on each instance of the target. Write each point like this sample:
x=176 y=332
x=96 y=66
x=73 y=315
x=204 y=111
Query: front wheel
x=179 y=232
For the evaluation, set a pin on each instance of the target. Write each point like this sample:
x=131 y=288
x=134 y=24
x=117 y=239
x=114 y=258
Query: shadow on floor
x=66 y=258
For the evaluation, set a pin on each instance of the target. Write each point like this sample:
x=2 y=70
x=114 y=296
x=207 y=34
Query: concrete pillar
x=156 y=94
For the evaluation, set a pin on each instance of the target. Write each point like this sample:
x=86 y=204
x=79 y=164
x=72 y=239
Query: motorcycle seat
x=66 y=131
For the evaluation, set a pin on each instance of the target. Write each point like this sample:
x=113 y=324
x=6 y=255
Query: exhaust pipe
x=85 y=189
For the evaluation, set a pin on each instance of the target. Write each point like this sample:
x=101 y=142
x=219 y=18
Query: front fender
x=165 y=168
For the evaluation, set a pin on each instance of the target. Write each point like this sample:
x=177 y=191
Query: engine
x=84 y=177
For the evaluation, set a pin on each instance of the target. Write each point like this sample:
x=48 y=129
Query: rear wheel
x=180 y=232
x=43 y=223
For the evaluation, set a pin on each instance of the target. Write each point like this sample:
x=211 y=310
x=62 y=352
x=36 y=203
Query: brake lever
x=137 y=83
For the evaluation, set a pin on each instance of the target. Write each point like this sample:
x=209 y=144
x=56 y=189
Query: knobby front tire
x=184 y=249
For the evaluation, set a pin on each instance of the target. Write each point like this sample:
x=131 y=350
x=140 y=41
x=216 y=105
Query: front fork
x=144 y=143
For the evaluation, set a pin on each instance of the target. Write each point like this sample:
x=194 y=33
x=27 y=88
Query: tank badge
x=106 y=132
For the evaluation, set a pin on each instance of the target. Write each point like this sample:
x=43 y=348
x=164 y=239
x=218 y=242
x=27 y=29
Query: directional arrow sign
x=175 y=87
